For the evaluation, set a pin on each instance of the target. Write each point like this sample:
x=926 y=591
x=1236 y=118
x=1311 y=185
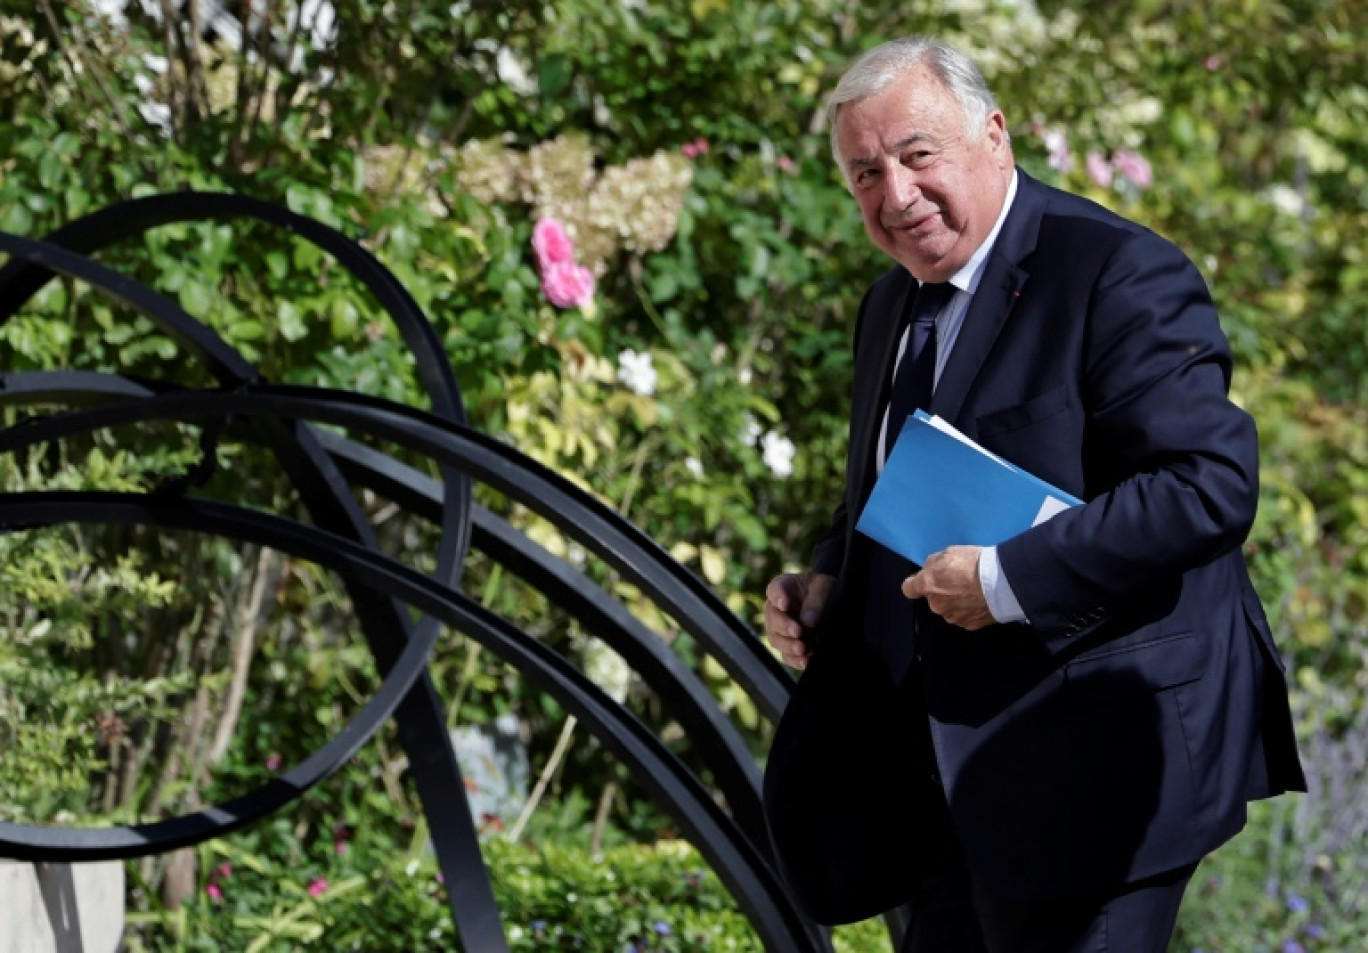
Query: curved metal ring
x=419 y=716
x=748 y=875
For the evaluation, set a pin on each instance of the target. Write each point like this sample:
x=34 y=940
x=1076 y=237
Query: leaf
x=713 y=563
x=291 y=322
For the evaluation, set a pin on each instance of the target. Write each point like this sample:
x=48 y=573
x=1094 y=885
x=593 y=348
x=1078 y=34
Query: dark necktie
x=916 y=376
x=889 y=622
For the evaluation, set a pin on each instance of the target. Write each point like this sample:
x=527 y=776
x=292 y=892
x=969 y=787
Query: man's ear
x=999 y=140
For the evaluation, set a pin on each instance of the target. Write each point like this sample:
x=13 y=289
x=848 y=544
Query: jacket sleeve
x=1177 y=460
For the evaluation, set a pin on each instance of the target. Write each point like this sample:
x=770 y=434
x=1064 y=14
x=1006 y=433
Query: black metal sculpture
x=326 y=469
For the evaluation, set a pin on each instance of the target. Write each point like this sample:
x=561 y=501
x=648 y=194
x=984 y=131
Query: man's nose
x=903 y=190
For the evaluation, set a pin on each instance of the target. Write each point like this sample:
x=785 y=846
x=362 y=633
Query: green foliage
x=634 y=897
x=428 y=137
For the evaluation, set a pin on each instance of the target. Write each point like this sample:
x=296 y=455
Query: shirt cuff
x=997 y=591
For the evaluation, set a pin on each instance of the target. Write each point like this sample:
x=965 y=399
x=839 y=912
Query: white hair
x=876 y=68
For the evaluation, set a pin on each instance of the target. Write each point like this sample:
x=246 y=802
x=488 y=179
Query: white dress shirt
x=997 y=591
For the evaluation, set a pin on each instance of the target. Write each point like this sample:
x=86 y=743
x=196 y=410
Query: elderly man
x=1032 y=744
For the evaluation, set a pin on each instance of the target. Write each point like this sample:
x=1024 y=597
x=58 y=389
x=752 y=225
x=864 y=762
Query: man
x=1032 y=744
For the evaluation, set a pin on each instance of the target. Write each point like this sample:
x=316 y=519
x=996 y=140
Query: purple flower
x=1134 y=168
x=1292 y=946
x=661 y=927
x=538 y=926
x=1297 y=903
x=1099 y=169
x=1315 y=931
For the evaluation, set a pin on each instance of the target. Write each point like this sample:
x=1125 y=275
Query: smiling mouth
x=911 y=224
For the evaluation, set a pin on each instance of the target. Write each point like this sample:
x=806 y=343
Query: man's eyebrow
x=862 y=162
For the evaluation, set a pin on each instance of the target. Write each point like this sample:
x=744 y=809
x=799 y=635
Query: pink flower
x=1057 y=145
x=1134 y=168
x=568 y=285
x=1099 y=169
x=223 y=871
x=340 y=847
x=551 y=243
x=1213 y=63
x=214 y=891
x=699 y=147
x=784 y=163
x=273 y=763
x=317 y=887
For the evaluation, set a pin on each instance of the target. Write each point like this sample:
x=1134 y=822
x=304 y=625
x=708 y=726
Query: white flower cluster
x=640 y=202
x=484 y=171
x=634 y=206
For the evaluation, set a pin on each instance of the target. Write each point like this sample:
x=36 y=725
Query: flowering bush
x=721 y=263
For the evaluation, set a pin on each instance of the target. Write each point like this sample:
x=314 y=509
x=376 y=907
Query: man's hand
x=949 y=582
x=793 y=603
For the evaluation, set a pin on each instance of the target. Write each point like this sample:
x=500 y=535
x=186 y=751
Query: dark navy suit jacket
x=1121 y=732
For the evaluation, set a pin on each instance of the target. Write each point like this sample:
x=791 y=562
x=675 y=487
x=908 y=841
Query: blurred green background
x=701 y=391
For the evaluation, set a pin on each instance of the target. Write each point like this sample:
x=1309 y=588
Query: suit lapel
x=1001 y=285
x=872 y=390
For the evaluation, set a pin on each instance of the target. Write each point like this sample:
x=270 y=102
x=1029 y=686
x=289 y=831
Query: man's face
x=930 y=189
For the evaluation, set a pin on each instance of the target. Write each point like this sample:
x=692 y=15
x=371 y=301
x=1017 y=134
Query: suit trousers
x=952 y=912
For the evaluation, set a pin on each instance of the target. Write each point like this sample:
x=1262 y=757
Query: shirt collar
x=968 y=277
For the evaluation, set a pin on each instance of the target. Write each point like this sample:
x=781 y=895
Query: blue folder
x=939 y=489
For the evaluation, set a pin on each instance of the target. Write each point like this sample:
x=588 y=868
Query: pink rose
x=551 y=243
x=1133 y=167
x=567 y=285
x=1099 y=169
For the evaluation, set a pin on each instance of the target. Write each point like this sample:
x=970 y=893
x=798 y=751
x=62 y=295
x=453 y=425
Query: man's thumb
x=814 y=601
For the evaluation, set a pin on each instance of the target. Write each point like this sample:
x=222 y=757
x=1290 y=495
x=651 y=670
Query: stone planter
x=61 y=908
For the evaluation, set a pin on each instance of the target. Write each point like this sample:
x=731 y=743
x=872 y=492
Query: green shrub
x=659 y=897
